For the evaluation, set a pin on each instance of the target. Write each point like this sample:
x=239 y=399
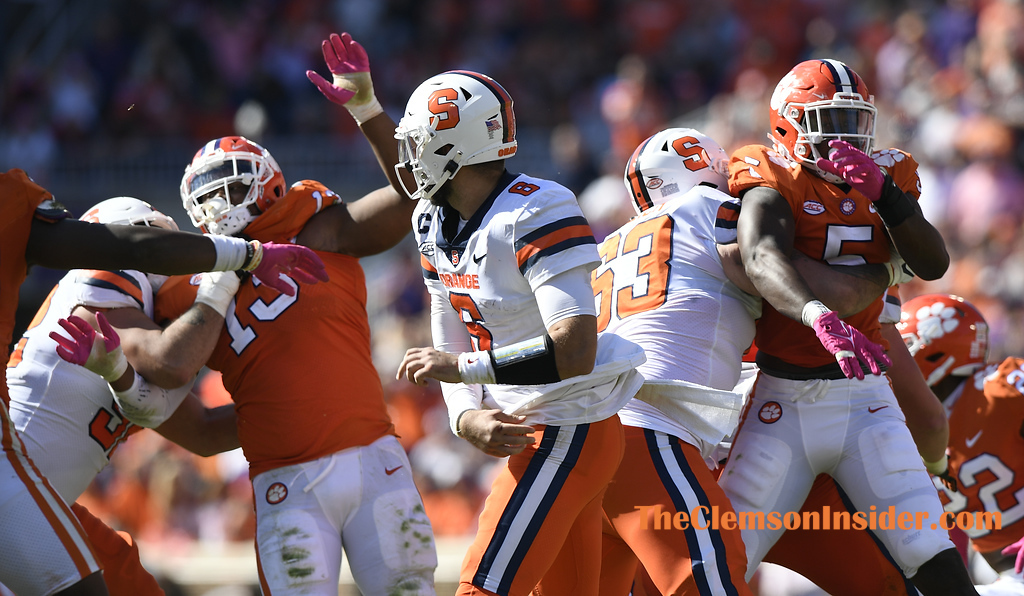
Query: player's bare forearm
x=169 y=357
x=925 y=416
x=71 y=244
x=765 y=230
x=367 y=226
x=846 y=289
x=203 y=431
x=921 y=246
x=575 y=340
x=380 y=132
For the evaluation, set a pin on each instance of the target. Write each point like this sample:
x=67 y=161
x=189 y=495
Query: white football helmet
x=453 y=119
x=216 y=166
x=671 y=162
x=129 y=211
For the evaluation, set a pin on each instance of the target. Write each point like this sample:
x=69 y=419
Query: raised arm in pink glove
x=849 y=346
x=298 y=262
x=855 y=167
x=98 y=352
x=352 y=86
x=1017 y=548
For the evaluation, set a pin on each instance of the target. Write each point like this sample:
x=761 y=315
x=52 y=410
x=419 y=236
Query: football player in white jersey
x=66 y=415
x=507 y=260
x=671 y=280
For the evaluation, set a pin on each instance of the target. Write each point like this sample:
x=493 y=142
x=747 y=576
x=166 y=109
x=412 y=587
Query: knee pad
x=291 y=549
x=754 y=478
x=916 y=546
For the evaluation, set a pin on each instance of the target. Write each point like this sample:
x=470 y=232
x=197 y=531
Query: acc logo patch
x=276 y=493
x=655 y=183
x=770 y=412
x=813 y=207
x=847 y=206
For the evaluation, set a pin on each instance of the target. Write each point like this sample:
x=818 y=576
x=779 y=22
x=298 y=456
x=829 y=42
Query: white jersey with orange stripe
x=488 y=269
x=65 y=414
x=663 y=286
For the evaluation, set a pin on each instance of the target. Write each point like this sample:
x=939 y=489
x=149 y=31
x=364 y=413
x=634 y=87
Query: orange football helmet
x=945 y=334
x=215 y=167
x=817 y=101
x=671 y=162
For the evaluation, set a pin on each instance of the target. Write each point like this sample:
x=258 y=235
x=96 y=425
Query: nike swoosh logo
x=970 y=442
x=392 y=470
x=873 y=410
x=477 y=259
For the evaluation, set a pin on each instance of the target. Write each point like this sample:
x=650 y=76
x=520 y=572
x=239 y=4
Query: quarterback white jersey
x=662 y=285
x=65 y=414
x=488 y=268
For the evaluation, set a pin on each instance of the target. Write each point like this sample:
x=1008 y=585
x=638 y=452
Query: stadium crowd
x=593 y=77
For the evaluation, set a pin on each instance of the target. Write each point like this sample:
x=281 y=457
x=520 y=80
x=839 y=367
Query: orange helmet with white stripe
x=818 y=101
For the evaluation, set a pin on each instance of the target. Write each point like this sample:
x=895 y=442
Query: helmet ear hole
x=444 y=149
x=935 y=357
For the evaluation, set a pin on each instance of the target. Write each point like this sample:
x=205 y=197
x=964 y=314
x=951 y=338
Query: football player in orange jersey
x=948 y=337
x=55 y=557
x=822 y=191
x=328 y=472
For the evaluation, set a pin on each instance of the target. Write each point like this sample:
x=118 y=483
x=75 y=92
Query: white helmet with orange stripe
x=128 y=211
x=672 y=162
x=453 y=119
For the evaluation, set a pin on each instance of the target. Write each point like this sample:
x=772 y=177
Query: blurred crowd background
x=100 y=98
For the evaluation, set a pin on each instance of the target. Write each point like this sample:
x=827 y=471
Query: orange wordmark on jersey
x=836 y=226
x=298 y=367
x=987 y=451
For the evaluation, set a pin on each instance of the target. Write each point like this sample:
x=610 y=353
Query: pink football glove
x=99 y=353
x=299 y=262
x=1017 y=548
x=350 y=66
x=848 y=345
x=855 y=167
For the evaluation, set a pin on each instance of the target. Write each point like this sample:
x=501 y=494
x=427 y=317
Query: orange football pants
x=119 y=556
x=841 y=562
x=540 y=529
x=665 y=475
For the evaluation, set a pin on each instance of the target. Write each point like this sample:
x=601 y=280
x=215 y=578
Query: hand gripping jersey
x=833 y=224
x=661 y=284
x=987 y=451
x=526 y=232
x=65 y=414
x=298 y=367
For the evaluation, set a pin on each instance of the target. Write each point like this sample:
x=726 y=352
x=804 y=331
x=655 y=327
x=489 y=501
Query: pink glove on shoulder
x=849 y=346
x=298 y=262
x=855 y=167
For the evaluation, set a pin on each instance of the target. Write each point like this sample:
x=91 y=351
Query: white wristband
x=475 y=368
x=216 y=290
x=364 y=112
x=118 y=370
x=812 y=310
x=231 y=252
